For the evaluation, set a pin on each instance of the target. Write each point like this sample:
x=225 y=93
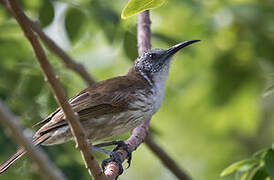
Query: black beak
x=171 y=51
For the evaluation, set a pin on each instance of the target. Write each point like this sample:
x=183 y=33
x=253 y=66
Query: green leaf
x=135 y=6
x=244 y=176
x=269 y=91
x=247 y=171
x=106 y=18
x=46 y=13
x=130 y=45
x=260 y=174
x=243 y=165
x=272 y=146
x=261 y=153
x=74 y=22
x=269 y=162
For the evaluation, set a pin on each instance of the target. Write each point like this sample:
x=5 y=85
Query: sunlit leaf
x=46 y=13
x=135 y=6
x=269 y=162
x=261 y=153
x=243 y=165
x=269 y=91
x=244 y=176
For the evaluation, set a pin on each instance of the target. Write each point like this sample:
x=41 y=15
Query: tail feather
x=6 y=164
x=20 y=152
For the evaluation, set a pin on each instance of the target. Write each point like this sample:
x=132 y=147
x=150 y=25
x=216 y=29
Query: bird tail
x=20 y=152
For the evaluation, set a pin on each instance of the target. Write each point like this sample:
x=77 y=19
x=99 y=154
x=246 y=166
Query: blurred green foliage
x=214 y=112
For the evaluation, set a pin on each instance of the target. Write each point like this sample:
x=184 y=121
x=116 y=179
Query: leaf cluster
x=258 y=167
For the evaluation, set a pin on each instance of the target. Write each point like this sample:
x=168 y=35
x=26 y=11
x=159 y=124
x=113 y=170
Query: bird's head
x=154 y=63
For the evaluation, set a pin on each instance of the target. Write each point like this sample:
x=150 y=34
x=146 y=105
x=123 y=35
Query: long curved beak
x=171 y=51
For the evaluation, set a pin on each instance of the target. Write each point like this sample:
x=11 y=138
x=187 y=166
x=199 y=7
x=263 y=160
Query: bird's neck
x=155 y=81
x=155 y=84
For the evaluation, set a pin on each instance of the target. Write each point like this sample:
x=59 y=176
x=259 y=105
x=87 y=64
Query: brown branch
x=166 y=160
x=137 y=137
x=67 y=60
x=143 y=32
x=47 y=169
x=72 y=118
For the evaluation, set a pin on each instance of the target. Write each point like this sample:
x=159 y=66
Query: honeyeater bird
x=113 y=106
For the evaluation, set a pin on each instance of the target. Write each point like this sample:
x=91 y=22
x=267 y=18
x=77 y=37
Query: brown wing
x=109 y=96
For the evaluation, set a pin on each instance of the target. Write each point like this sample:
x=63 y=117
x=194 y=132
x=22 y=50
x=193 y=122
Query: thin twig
x=72 y=118
x=166 y=160
x=67 y=60
x=47 y=169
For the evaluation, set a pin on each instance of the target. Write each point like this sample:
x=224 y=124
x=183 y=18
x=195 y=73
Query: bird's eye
x=151 y=56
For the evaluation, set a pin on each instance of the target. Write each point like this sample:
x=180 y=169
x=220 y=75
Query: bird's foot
x=114 y=157
x=119 y=144
x=124 y=146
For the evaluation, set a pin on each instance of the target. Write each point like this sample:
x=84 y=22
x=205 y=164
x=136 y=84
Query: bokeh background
x=215 y=110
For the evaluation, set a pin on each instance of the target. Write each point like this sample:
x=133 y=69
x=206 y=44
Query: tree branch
x=72 y=118
x=48 y=170
x=137 y=137
x=143 y=32
x=67 y=60
x=166 y=160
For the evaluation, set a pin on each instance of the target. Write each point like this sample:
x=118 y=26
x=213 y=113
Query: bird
x=113 y=106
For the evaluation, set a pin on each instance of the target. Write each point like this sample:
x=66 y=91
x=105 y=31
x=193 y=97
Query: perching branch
x=72 y=118
x=47 y=169
x=137 y=137
x=67 y=60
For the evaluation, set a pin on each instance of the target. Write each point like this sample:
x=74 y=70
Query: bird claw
x=114 y=156
x=124 y=146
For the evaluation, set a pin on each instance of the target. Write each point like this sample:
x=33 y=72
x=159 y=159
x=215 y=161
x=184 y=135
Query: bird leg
x=114 y=156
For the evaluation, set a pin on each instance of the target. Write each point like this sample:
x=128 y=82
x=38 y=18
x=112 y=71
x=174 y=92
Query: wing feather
x=103 y=98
